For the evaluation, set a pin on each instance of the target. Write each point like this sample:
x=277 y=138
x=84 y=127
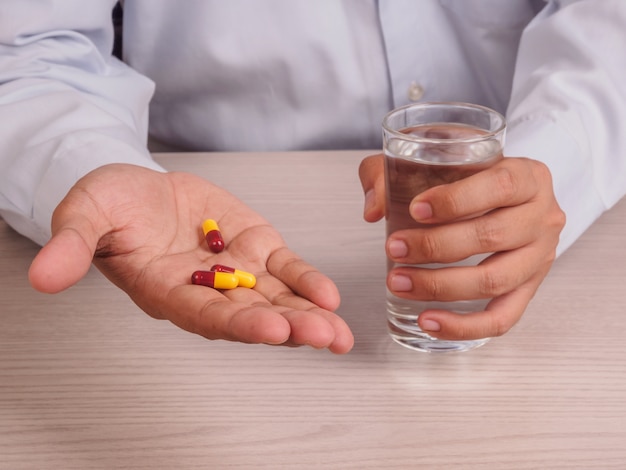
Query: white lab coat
x=296 y=74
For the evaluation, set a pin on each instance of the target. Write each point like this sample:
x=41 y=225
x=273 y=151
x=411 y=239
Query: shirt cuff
x=77 y=155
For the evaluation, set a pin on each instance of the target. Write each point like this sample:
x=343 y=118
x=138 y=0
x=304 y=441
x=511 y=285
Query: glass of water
x=425 y=145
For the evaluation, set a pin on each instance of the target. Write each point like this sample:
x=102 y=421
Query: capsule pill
x=212 y=235
x=215 y=279
x=245 y=279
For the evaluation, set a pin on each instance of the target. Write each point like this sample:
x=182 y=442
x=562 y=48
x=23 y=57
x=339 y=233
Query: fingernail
x=370 y=200
x=421 y=210
x=398 y=249
x=430 y=325
x=400 y=283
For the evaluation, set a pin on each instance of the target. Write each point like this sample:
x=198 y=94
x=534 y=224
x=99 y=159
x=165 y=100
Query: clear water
x=402 y=317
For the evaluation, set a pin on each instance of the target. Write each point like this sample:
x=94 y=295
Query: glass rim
x=456 y=104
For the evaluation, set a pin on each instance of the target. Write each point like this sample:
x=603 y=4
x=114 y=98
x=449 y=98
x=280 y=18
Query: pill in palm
x=212 y=235
x=245 y=279
x=215 y=279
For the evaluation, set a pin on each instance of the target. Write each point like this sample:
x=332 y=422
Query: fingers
x=341 y=340
x=211 y=314
x=509 y=210
x=509 y=278
x=270 y=313
x=309 y=285
x=511 y=182
x=261 y=245
x=495 y=276
x=499 y=230
x=300 y=292
x=246 y=316
x=303 y=278
x=371 y=173
x=320 y=329
x=501 y=314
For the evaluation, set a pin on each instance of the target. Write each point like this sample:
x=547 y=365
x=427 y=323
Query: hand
x=509 y=210
x=142 y=229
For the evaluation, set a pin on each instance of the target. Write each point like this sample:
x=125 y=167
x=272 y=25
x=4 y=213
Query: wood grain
x=88 y=381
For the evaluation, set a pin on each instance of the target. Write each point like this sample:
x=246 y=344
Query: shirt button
x=415 y=91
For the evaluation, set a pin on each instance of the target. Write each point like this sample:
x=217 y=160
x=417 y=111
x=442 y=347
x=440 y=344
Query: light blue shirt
x=295 y=74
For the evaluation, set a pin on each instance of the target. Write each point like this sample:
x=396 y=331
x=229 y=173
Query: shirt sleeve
x=568 y=105
x=66 y=106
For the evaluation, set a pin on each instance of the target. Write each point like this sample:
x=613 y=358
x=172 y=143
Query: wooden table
x=89 y=381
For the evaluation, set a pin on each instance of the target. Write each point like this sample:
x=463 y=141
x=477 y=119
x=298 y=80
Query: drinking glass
x=425 y=145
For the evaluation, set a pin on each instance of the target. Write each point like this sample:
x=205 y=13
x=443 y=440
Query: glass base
x=426 y=343
x=404 y=330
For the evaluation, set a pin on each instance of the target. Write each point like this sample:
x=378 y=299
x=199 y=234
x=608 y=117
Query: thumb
x=371 y=173
x=66 y=258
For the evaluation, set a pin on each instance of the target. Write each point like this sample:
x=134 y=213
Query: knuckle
x=430 y=246
x=556 y=217
x=433 y=288
x=464 y=333
x=559 y=219
x=542 y=172
x=450 y=202
x=489 y=235
x=542 y=176
x=550 y=258
x=492 y=282
x=505 y=182
x=499 y=325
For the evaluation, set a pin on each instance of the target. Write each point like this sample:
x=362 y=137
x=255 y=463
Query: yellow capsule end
x=209 y=225
x=225 y=281
x=245 y=279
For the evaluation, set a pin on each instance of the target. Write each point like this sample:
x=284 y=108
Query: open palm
x=142 y=229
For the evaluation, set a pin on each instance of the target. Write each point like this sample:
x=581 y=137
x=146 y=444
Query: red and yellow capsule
x=212 y=235
x=245 y=279
x=215 y=279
